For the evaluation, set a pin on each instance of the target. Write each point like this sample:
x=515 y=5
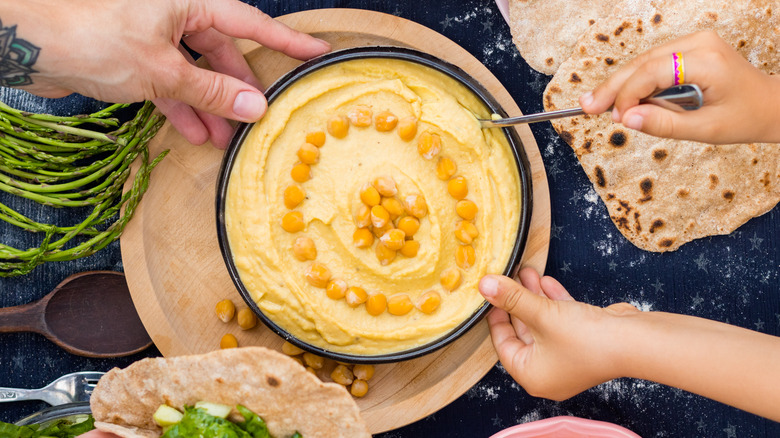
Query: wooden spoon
x=88 y=314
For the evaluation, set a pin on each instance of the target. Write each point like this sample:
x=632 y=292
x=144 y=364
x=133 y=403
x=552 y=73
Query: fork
x=70 y=388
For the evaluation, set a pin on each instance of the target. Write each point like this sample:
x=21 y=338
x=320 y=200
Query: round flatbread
x=270 y=384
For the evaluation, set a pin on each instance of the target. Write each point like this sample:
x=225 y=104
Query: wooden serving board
x=176 y=274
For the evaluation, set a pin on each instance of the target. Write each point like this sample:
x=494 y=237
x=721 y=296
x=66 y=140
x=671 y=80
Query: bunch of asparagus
x=72 y=161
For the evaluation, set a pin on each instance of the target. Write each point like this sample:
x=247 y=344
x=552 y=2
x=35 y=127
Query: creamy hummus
x=262 y=249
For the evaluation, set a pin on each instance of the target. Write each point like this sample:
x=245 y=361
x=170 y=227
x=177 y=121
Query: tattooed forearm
x=17 y=57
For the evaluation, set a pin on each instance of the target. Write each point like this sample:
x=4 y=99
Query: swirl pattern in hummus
x=254 y=207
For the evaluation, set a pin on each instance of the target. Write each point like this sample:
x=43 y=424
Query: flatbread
x=662 y=193
x=545 y=31
x=272 y=385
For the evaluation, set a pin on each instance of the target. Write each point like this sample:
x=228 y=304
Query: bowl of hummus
x=357 y=217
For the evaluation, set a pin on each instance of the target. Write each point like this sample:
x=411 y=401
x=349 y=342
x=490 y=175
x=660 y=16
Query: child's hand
x=550 y=344
x=741 y=103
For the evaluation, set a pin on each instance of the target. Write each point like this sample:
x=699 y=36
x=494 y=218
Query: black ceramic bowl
x=398 y=53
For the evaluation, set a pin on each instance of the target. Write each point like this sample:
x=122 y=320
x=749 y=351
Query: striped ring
x=679 y=68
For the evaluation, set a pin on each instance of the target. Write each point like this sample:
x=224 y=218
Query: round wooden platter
x=176 y=273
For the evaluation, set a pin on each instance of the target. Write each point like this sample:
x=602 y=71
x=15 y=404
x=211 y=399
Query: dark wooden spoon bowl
x=89 y=314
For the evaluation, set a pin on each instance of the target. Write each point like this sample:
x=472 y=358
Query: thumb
x=662 y=122
x=511 y=296
x=219 y=94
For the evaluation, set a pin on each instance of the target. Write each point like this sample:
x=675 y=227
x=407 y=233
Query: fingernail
x=324 y=43
x=488 y=287
x=587 y=98
x=634 y=121
x=249 y=105
x=615 y=115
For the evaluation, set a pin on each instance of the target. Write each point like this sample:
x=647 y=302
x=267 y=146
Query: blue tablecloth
x=730 y=278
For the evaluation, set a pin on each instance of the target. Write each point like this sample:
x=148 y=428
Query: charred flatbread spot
x=610 y=196
x=639 y=30
x=622 y=44
x=666 y=243
x=646 y=185
x=609 y=61
x=617 y=139
x=656 y=18
x=621 y=28
x=600 y=179
x=549 y=61
x=625 y=205
x=658 y=223
x=660 y=154
x=728 y=194
x=582 y=49
x=575 y=78
x=220 y=380
x=603 y=38
x=683 y=193
x=587 y=145
x=712 y=16
x=272 y=381
x=713 y=181
x=587 y=63
x=555 y=89
x=621 y=222
x=755 y=161
x=645 y=198
x=765 y=180
x=591 y=21
x=741 y=43
x=567 y=137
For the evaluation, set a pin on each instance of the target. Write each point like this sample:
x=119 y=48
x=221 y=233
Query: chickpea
x=225 y=310
x=450 y=279
x=466 y=209
x=292 y=222
x=363 y=217
x=356 y=296
x=309 y=154
x=370 y=196
x=385 y=121
x=384 y=254
x=393 y=239
x=290 y=349
x=362 y=238
x=410 y=248
x=399 y=304
x=376 y=304
x=338 y=126
x=359 y=388
x=304 y=249
x=409 y=225
x=379 y=216
x=429 y=302
x=246 y=319
x=317 y=138
x=393 y=207
x=407 y=128
x=458 y=187
x=385 y=185
x=336 y=289
x=466 y=232
x=363 y=372
x=293 y=196
x=416 y=205
x=318 y=275
x=360 y=116
x=429 y=145
x=301 y=172
x=445 y=168
x=342 y=375
x=314 y=361
x=228 y=341
x=464 y=256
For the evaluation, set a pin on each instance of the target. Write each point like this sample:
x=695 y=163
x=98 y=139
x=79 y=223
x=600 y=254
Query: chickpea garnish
x=399 y=304
x=466 y=232
x=301 y=172
x=409 y=225
x=318 y=275
x=458 y=187
x=338 y=126
x=384 y=254
x=379 y=216
x=363 y=217
x=376 y=304
x=246 y=318
x=429 y=145
x=393 y=239
x=317 y=138
x=429 y=302
x=370 y=196
x=393 y=206
x=416 y=205
x=464 y=256
x=410 y=248
x=225 y=310
x=362 y=238
x=304 y=249
x=313 y=360
x=293 y=196
x=309 y=154
x=228 y=341
x=356 y=296
x=385 y=121
x=385 y=185
x=363 y=372
x=450 y=279
x=359 y=388
x=445 y=168
x=336 y=289
x=360 y=116
x=292 y=222
x=380 y=231
x=342 y=375
x=466 y=209
x=290 y=349
x=407 y=128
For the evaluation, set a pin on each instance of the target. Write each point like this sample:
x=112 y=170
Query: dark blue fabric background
x=727 y=278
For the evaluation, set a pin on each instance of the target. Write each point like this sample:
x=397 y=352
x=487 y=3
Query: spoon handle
x=687 y=96
x=23 y=318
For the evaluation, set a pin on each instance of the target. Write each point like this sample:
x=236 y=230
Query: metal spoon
x=89 y=314
x=686 y=96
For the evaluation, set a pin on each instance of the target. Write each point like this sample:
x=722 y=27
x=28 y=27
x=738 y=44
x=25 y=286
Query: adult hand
x=550 y=344
x=128 y=51
x=741 y=102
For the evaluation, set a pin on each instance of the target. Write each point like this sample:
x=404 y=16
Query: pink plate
x=566 y=427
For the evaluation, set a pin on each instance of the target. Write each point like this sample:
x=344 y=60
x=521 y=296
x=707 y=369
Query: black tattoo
x=17 y=57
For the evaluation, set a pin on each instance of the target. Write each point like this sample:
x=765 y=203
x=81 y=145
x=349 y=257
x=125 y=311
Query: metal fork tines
x=70 y=388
